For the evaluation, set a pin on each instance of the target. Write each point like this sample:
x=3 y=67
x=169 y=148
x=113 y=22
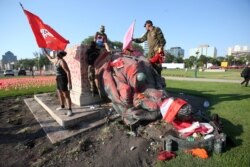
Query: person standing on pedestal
x=63 y=80
x=101 y=39
x=92 y=54
x=156 y=43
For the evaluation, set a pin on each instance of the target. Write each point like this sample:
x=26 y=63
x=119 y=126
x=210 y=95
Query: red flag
x=127 y=40
x=45 y=36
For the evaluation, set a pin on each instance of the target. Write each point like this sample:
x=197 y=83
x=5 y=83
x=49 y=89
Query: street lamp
x=195 y=64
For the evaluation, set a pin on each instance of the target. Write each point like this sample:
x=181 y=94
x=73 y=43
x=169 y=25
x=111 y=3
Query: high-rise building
x=238 y=50
x=176 y=51
x=205 y=50
x=8 y=59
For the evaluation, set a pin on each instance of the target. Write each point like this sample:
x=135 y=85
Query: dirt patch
x=24 y=143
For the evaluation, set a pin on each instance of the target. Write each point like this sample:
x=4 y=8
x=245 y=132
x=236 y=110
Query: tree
x=210 y=60
x=137 y=47
x=188 y=63
x=43 y=61
x=113 y=45
x=88 y=40
x=193 y=60
x=117 y=45
x=40 y=59
x=248 y=57
x=202 y=60
x=230 y=59
x=169 y=58
x=26 y=63
x=178 y=59
x=220 y=59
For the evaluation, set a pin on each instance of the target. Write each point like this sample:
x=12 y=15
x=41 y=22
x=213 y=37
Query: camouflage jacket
x=155 y=40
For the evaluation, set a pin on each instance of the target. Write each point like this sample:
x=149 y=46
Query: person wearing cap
x=101 y=39
x=156 y=42
x=63 y=80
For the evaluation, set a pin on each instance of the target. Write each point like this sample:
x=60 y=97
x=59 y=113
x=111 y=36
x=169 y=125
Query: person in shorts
x=63 y=80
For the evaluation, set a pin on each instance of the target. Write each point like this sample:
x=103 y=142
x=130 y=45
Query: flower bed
x=26 y=82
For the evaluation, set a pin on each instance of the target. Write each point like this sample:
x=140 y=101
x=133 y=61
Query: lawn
x=229 y=74
x=232 y=103
x=229 y=100
x=28 y=91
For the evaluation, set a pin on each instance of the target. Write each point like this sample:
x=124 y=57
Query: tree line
x=41 y=60
x=203 y=60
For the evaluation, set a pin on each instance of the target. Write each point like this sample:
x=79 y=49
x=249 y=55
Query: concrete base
x=54 y=131
x=81 y=99
x=80 y=113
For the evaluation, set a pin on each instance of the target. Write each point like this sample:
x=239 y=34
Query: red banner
x=46 y=37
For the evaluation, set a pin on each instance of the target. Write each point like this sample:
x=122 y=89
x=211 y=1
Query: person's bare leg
x=61 y=98
x=68 y=101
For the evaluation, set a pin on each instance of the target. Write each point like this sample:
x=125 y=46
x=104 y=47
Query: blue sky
x=185 y=23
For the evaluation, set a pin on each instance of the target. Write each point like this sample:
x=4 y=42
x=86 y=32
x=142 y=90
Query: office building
x=205 y=50
x=8 y=60
x=238 y=50
x=176 y=51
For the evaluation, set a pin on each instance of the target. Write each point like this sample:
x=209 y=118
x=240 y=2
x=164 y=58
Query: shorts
x=62 y=83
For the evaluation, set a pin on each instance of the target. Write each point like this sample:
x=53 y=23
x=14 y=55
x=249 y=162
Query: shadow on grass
x=196 y=99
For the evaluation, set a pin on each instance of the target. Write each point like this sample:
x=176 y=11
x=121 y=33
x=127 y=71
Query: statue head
x=102 y=29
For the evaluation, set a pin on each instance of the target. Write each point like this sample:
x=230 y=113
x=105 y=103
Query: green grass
x=229 y=100
x=29 y=91
x=232 y=103
x=229 y=74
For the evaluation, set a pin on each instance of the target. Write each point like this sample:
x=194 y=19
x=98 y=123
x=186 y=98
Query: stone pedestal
x=76 y=60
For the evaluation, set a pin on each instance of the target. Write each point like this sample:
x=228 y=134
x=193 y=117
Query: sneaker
x=69 y=113
x=59 y=108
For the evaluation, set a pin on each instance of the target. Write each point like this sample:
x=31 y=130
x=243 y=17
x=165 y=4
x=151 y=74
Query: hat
x=148 y=22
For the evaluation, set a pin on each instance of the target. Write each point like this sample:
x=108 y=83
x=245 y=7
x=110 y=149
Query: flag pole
x=133 y=29
x=21 y=5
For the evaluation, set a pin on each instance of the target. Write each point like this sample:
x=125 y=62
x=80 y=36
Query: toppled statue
x=136 y=89
x=138 y=93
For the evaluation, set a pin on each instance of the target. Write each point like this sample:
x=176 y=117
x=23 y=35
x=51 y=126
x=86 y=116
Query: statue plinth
x=76 y=60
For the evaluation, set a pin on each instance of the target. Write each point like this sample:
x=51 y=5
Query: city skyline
x=186 y=24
